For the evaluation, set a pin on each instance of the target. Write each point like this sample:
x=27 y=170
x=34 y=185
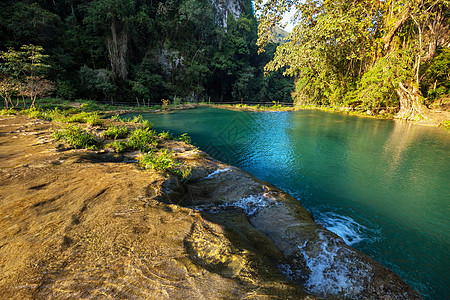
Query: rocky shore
x=91 y=224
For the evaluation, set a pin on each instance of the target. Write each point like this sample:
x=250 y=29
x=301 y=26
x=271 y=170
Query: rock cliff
x=225 y=8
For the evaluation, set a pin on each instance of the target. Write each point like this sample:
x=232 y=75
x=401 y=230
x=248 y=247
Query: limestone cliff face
x=225 y=8
x=171 y=59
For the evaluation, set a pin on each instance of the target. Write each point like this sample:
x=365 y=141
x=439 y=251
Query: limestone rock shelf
x=85 y=224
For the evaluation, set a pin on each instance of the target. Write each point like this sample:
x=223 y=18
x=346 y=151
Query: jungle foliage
x=140 y=51
x=368 y=53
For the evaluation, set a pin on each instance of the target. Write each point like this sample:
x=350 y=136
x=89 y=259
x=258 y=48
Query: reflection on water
x=383 y=185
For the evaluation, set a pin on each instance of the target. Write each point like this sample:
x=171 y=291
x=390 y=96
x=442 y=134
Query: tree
x=112 y=17
x=36 y=86
x=145 y=49
x=98 y=83
x=8 y=88
x=422 y=27
x=359 y=51
x=24 y=73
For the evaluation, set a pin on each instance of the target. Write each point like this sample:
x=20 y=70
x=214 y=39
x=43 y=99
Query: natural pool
x=381 y=185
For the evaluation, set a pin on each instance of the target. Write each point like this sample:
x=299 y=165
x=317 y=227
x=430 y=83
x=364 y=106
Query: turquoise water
x=381 y=185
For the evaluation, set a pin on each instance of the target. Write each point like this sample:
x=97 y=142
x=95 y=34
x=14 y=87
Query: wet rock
x=211 y=249
x=317 y=258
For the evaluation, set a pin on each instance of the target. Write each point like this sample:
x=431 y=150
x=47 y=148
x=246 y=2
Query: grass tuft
x=118 y=146
x=142 y=139
x=116 y=132
x=7 y=112
x=161 y=161
x=164 y=161
x=184 y=138
x=165 y=135
x=76 y=137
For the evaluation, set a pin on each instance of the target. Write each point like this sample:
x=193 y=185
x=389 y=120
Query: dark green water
x=381 y=185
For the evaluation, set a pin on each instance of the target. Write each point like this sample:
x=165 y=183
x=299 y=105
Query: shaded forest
x=136 y=51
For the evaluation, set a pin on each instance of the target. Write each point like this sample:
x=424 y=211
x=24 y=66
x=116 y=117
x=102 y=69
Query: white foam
x=252 y=204
x=218 y=171
x=348 y=229
x=331 y=272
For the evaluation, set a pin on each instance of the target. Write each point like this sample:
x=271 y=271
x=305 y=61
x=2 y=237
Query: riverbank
x=82 y=223
x=438 y=118
x=79 y=223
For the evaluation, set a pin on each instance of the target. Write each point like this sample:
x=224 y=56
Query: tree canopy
x=364 y=52
x=144 y=51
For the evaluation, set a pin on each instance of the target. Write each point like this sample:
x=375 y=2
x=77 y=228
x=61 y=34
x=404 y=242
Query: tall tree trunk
x=387 y=39
x=33 y=100
x=411 y=107
x=117 y=44
x=10 y=101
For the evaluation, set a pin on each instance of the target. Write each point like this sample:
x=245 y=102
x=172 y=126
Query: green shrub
x=184 y=138
x=116 y=132
x=146 y=124
x=89 y=105
x=137 y=119
x=156 y=106
x=73 y=110
x=36 y=113
x=165 y=135
x=276 y=105
x=85 y=117
x=94 y=119
x=78 y=118
x=183 y=171
x=161 y=161
x=76 y=137
x=56 y=115
x=142 y=139
x=118 y=146
x=116 y=118
x=7 y=112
